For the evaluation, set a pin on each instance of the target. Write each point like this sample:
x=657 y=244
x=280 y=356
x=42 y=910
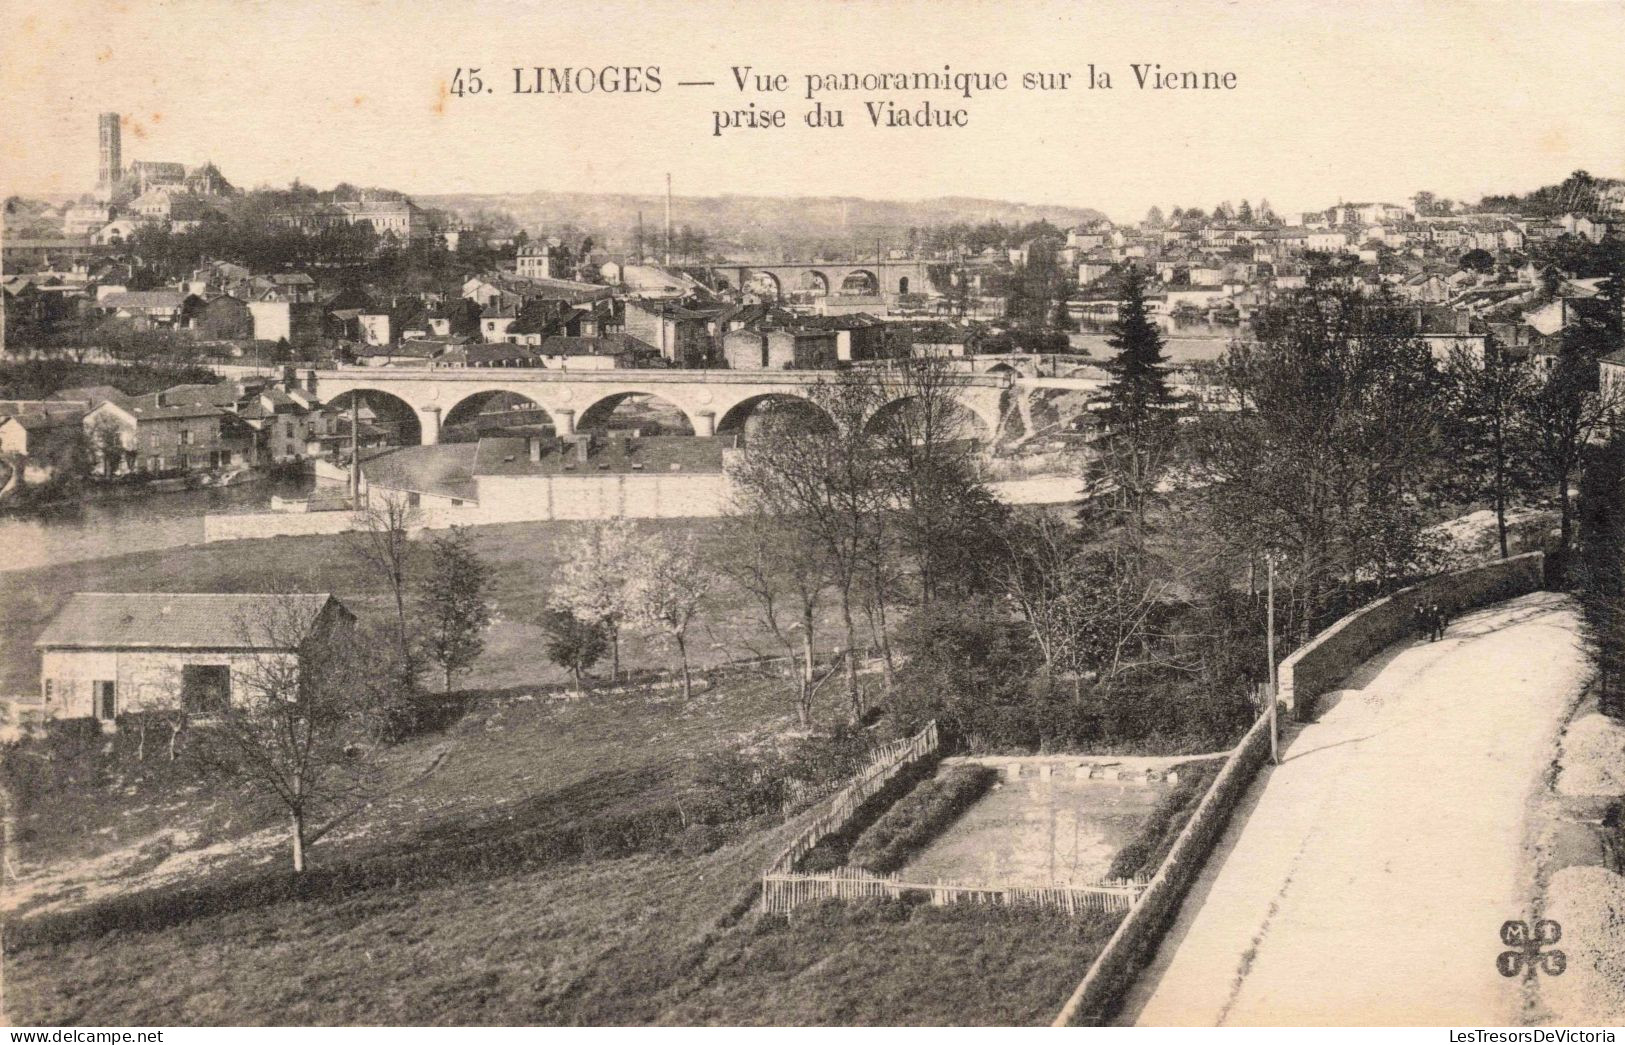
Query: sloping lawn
x=883 y=963
x=510 y=764
x=591 y=943
x=608 y=942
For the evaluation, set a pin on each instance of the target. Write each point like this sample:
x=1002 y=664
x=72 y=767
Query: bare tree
x=1088 y=607
x=1491 y=449
x=787 y=576
x=826 y=484
x=1565 y=410
x=303 y=728
x=382 y=540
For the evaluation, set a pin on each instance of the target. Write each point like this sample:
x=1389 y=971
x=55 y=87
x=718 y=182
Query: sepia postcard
x=836 y=513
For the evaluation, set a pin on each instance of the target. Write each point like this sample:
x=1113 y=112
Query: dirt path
x=1365 y=879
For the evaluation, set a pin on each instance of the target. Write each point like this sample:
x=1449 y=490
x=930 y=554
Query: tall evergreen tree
x=1136 y=411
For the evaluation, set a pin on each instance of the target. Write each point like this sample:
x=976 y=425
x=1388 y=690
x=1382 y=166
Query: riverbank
x=139 y=521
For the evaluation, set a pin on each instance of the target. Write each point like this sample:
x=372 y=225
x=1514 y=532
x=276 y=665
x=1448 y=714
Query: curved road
x=1365 y=879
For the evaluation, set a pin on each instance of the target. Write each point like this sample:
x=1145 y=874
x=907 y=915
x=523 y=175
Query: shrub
x=919 y=817
x=732 y=786
x=1144 y=853
x=822 y=760
x=419 y=714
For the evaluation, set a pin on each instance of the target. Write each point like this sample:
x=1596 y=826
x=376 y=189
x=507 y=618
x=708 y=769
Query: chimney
x=289 y=382
x=534 y=444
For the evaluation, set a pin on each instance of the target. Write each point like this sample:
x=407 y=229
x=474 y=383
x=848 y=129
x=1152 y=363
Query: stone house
x=682 y=335
x=779 y=349
x=44 y=440
x=107 y=655
x=158 y=432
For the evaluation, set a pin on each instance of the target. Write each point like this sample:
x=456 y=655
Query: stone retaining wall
x=1332 y=655
x=1096 y=998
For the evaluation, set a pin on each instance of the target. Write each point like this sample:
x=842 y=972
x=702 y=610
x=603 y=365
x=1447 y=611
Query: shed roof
x=190 y=620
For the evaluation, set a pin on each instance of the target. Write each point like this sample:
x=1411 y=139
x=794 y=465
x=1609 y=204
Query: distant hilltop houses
x=1503 y=268
x=171 y=195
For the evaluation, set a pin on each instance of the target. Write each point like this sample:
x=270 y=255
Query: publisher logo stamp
x=1534 y=950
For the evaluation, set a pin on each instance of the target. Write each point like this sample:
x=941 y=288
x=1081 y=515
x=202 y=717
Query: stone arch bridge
x=708 y=398
x=887 y=278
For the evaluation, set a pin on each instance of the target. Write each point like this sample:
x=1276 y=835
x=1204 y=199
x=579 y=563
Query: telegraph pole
x=355 y=450
x=1275 y=724
x=668 y=220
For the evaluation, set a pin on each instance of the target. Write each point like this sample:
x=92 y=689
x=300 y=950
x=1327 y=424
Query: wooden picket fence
x=888 y=761
x=784 y=892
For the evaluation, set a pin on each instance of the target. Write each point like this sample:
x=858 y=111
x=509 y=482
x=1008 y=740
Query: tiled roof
x=148 y=407
x=445 y=470
x=39 y=422
x=144 y=299
x=93 y=620
x=608 y=345
x=95 y=395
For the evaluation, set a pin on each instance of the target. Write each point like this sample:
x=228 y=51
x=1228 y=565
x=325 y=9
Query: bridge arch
x=813 y=281
x=600 y=413
x=489 y=405
x=389 y=413
x=860 y=281
x=744 y=417
x=764 y=281
x=959 y=421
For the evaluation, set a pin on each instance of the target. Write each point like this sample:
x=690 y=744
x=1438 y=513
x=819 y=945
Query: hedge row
x=1144 y=853
x=924 y=813
x=834 y=849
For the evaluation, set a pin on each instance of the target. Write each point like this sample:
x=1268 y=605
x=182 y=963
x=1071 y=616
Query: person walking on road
x=1424 y=627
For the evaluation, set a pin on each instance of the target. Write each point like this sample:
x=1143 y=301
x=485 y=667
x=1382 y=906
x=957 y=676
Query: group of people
x=1431 y=620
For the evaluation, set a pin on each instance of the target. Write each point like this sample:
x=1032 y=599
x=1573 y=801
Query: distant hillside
x=750 y=221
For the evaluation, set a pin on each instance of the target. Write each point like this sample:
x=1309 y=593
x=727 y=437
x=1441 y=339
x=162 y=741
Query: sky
x=1333 y=101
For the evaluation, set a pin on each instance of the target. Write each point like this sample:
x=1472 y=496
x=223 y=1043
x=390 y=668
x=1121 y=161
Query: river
x=116 y=526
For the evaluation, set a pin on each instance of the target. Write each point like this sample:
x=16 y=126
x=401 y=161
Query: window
x=186 y=436
x=205 y=688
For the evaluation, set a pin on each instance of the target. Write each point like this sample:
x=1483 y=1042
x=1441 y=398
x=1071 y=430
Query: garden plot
x=1058 y=829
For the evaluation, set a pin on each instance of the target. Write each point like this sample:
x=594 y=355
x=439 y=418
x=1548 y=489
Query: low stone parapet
x=1333 y=655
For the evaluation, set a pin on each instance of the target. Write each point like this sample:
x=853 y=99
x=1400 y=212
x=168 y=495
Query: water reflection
x=117 y=526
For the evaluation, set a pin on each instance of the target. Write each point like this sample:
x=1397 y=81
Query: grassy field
x=523 y=556
x=576 y=937
x=510 y=764
x=640 y=939
x=884 y=963
x=631 y=941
